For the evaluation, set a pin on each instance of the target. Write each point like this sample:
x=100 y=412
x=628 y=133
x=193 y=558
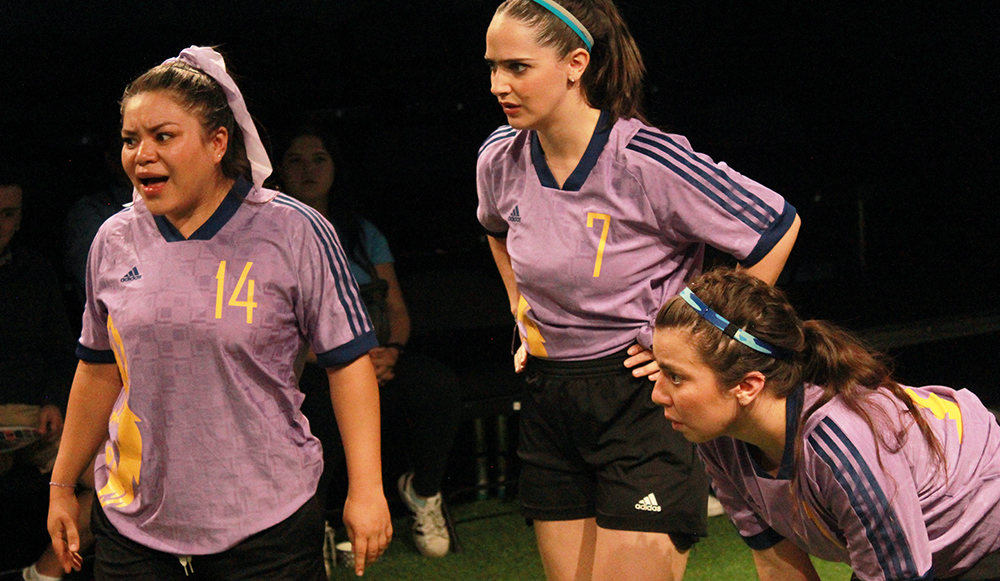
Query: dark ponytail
x=613 y=80
x=821 y=354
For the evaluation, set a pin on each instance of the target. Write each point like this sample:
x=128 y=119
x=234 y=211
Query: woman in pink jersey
x=813 y=449
x=594 y=219
x=203 y=299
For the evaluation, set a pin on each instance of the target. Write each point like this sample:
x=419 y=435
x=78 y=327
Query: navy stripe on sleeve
x=497 y=235
x=718 y=178
x=867 y=499
x=348 y=351
x=498 y=135
x=770 y=238
x=94 y=356
x=718 y=184
x=350 y=299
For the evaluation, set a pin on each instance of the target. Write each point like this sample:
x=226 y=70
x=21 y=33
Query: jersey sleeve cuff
x=348 y=351
x=764 y=540
x=500 y=235
x=93 y=355
x=770 y=238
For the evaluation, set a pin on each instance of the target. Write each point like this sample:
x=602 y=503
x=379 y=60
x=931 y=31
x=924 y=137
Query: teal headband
x=731 y=330
x=570 y=20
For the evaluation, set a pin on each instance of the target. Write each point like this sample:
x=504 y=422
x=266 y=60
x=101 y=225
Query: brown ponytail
x=822 y=354
x=613 y=80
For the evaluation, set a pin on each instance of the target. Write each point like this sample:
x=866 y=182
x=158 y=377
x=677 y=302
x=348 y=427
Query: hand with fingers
x=64 y=510
x=642 y=363
x=520 y=359
x=50 y=423
x=369 y=528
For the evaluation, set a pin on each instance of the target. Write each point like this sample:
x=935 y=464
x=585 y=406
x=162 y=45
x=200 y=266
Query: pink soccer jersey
x=900 y=518
x=207 y=445
x=596 y=258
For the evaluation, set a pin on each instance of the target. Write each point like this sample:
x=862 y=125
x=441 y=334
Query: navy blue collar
x=576 y=179
x=230 y=204
x=793 y=411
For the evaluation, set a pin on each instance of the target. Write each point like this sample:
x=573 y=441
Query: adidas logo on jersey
x=648 y=503
x=515 y=216
x=132 y=275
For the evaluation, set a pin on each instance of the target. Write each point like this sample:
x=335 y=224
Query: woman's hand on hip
x=642 y=363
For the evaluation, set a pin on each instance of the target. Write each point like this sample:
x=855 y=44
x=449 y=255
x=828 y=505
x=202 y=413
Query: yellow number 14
x=591 y=216
x=220 y=276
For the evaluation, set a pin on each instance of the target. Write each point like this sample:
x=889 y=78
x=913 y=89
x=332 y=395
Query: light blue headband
x=570 y=20
x=732 y=330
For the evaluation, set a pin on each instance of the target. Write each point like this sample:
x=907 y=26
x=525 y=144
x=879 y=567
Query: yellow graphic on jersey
x=823 y=528
x=234 y=301
x=941 y=408
x=591 y=216
x=122 y=454
x=530 y=334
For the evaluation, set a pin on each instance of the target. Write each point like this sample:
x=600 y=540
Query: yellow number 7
x=591 y=216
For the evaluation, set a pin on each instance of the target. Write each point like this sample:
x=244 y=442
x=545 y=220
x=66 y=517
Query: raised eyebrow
x=156 y=128
x=152 y=129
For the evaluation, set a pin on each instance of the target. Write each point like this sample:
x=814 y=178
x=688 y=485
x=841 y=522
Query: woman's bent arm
x=354 y=392
x=498 y=246
x=784 y=562
x=96 y=387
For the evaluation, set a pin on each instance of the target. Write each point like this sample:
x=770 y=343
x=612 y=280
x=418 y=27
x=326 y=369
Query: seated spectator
x=87 y=214
x=36 y=368
x=417 y=392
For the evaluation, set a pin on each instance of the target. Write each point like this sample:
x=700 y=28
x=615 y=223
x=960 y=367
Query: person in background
x=203 y=299
x=36 y=368
x=418 y=393
x=594 y=219
x=813 y=448
x=87 y=214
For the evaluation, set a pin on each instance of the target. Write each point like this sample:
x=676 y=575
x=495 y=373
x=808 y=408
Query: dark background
x=878 y=121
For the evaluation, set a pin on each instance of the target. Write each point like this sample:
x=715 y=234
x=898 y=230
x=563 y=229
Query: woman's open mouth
x=147 y=182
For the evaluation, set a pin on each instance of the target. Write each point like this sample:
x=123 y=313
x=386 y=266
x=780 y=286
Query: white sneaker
x=429 y=531
x=715 y=507
x=30 y=573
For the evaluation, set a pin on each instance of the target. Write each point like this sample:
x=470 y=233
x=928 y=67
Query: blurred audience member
x=36 y=368
x=89 y=212
x=417 y=392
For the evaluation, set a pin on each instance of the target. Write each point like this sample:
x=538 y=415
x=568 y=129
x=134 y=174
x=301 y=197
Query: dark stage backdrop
x=878 y=121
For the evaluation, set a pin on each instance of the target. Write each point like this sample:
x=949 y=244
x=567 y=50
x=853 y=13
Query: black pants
x=24 y=503
x=291 y=550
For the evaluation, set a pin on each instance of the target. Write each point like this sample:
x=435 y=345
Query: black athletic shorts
x=291 y=550
x=593 y=444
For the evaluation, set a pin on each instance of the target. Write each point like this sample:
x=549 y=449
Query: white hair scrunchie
x=212 y=64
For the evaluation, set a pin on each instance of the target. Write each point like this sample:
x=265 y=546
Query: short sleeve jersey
x=899 y=518
x=207 y=444
x=595 y=258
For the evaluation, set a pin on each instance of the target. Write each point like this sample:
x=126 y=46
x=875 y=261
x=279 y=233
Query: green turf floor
x=502 y=548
